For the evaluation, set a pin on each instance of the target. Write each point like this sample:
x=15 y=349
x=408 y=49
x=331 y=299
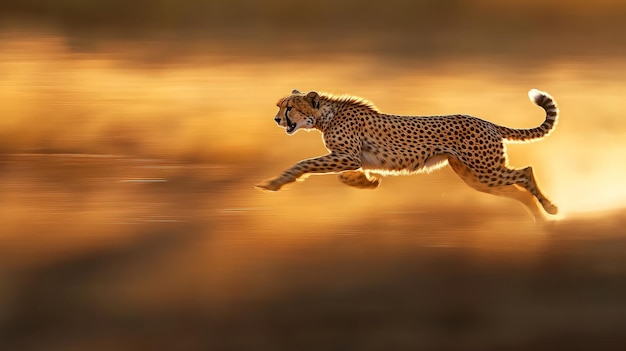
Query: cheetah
x=365 y=144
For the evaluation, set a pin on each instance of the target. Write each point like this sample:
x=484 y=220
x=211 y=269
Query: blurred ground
x=131 y=135
x=141 y=254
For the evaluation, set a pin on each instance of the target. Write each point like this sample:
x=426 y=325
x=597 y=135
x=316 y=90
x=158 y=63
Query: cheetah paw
x=551 y=209
x=270 y=184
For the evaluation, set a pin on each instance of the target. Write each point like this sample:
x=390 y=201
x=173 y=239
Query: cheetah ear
x=296 y=91
x=314 y=99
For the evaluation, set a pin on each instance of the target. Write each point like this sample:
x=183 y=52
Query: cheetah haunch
x=365 y=144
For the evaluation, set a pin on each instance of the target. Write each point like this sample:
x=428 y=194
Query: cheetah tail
x=545 y=101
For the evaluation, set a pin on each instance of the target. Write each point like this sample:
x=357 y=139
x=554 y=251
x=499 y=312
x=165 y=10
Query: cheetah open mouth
x=291 y=126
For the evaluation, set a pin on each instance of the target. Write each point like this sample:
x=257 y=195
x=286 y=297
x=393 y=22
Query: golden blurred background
x=131 y=134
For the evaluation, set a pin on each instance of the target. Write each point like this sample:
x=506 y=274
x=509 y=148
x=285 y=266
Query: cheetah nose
x=277 y=119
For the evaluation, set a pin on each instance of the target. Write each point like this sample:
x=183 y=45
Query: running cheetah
x=366 y=144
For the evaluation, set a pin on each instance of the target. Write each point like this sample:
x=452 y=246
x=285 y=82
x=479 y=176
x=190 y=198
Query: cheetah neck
x=332 y=106
x=328 y=112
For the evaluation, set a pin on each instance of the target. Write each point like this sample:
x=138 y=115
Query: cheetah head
x=298 y=110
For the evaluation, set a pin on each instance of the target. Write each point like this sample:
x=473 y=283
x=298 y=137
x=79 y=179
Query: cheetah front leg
x=331 y=163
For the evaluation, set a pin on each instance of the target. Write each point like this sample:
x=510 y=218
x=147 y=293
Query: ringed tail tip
x=539 y=97
x=547 y=103
x=535 y=95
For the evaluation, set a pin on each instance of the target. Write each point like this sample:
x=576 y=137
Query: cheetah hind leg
x=359 y=179
x=511 y=191
x=527 y=181
x=520 y=194
x=532 y=187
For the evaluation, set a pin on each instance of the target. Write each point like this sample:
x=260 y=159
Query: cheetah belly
x=434 y=163
x=373 y=160
x=370 y=161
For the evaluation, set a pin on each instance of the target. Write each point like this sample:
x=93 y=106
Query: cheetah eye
x=287 y=110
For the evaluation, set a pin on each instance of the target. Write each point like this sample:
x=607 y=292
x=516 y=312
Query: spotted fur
x=365 y=143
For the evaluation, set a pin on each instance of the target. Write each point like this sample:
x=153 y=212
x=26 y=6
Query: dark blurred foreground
x=152 y=255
